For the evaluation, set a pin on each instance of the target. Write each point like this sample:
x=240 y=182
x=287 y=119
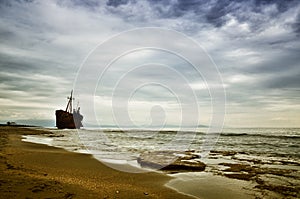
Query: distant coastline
x=19 y=125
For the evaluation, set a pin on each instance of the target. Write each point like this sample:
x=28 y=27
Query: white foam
x=38 y=139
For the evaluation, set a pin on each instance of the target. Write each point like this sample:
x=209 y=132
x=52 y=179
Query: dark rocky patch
x=172 y=161
x=285 y=190
x=263 y=177
x=237 y=167
x=239 y=176
x=223 y=153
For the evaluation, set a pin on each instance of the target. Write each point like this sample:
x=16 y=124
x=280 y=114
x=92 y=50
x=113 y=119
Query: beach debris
x=69 y=195
x=39 y=188
x=223 y=153
x=117 y=192
x=145 y=193
x=174 y=161
x=55 y=135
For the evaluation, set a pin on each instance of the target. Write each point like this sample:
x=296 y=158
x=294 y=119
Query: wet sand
x=30 y=170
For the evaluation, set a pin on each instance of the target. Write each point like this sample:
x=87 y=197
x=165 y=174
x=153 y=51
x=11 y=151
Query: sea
x=272 y=154
x=126 y=145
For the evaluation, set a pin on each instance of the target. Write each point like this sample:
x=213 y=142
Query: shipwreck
x=69 y=118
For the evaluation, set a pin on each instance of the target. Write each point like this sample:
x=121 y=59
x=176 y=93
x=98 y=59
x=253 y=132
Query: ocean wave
x=261 y=135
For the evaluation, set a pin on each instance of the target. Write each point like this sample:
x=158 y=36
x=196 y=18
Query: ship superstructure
x=69 y=118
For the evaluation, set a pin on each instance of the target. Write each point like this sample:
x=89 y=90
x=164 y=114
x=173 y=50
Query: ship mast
x=69 y=105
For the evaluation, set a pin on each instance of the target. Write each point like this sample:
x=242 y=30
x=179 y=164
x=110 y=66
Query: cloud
x=255 y=45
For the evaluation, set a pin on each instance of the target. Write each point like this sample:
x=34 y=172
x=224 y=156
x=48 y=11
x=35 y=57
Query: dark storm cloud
x=256 y=12
x=87 y=3
x=296 y=25
x=116 y=3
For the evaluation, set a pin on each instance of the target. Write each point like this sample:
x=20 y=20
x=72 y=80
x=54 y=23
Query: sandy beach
x=30 y=170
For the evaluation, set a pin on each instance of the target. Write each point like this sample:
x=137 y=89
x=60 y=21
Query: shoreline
x=40 y=171
x=228 y=174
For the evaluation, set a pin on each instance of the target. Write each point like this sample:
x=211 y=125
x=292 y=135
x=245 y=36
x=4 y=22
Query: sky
x=255 y=46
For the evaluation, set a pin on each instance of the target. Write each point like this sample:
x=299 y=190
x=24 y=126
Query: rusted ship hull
x=66 y=120
x=70 y=118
